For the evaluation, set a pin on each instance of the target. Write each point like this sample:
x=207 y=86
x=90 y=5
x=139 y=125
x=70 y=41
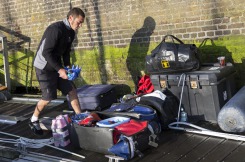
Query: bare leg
x=74 y=101
x=34 y=123
x=40 y=106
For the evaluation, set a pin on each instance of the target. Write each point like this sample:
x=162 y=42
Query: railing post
x=3 y=39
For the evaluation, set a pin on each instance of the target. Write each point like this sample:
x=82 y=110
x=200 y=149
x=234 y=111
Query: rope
x=34 y=143
x=31 y=143
x=203 y=131
x=181 y=94
x=185 y=123
x=6 y=140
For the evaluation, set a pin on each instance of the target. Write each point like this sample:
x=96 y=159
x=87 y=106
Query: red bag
x=144 y=86
x=90 y=120
x=132 y=127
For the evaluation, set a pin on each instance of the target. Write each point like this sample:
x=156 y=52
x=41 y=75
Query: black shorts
x=49 y=83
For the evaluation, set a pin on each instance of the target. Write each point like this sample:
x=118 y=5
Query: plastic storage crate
x=205 y=91
x=95 y=139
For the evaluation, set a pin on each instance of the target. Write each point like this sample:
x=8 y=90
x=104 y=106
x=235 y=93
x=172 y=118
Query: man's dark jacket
x=55 y=46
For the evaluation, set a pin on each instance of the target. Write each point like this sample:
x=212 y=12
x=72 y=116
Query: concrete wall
x=118 y=34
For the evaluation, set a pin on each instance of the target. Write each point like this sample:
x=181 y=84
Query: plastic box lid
x=112 y=122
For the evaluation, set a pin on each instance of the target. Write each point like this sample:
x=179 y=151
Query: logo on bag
x=165 y=64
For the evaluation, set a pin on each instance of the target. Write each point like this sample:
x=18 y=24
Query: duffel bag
x=170 y=57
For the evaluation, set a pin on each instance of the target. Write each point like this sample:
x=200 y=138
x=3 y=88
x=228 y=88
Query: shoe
x=35 y=127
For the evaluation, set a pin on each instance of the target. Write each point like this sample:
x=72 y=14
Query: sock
x=34 y=118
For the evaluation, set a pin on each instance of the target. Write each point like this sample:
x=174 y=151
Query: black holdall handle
x=173 y=38
x=175 y=49
x=205 y=41
x=164 y=38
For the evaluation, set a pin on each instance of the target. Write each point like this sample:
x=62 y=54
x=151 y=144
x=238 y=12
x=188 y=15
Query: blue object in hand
x=66 y=68
x=73 y=72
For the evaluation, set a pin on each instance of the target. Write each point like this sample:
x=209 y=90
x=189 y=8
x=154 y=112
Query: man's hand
x=73 y=72
x=63 y=74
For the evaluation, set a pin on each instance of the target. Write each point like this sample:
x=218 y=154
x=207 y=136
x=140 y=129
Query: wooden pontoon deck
x=173 y=145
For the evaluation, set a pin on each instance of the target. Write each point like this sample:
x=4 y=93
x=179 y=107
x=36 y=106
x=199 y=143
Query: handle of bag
x=173 y=38
x=205 y=41
x=118 y=113
x=176 y=49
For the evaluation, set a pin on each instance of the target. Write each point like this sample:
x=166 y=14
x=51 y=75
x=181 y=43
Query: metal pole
x=5 y=62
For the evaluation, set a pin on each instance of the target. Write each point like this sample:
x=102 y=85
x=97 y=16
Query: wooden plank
x=236 y=155
x=16 y=109
x=172 y=140
x=9 y=154
x=5 y=105
x=25 y=111
x=182 y=149
x=221 y=151
x=9 y=107
x=201 y=150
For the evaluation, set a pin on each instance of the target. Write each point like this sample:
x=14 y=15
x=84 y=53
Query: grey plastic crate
x=205 y=90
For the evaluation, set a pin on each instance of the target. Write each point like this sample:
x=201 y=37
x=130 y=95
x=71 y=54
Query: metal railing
x=4 y=52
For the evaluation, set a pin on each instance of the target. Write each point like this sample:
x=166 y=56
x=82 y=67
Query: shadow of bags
x=209 y=52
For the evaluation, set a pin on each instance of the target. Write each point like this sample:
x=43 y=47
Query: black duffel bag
x=171 y=57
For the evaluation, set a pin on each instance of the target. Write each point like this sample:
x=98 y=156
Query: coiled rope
x=33 y=143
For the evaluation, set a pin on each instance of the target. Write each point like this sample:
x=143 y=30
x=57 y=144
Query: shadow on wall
x=209 y=52
x=240 y=77
x=101 y=52
x=91 y=16
x=15 y=41
x=138 y=48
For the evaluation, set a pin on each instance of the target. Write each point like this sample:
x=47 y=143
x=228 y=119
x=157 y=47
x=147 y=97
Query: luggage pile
x=124 y=130
x=127 y=127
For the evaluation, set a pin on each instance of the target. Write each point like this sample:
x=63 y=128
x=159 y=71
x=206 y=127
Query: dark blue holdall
x=96 y=97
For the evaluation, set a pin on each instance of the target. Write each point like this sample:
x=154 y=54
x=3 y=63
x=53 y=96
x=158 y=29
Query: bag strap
x=122 y=106
x=118 y=113
x=203 y=43
x=175 y=46
x=175 y=49
x=173 y=38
